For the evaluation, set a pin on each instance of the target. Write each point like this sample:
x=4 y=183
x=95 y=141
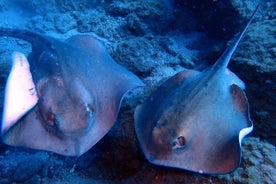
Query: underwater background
x=154 y=39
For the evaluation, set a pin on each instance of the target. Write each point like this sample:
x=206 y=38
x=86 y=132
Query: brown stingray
x=196 y=120
x=65 y=97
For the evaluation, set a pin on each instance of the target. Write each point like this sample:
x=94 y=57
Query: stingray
x=65 y=96
x=196 y=120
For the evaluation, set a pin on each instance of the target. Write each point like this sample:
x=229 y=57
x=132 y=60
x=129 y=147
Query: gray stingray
x=65 y=97
x=196 y=120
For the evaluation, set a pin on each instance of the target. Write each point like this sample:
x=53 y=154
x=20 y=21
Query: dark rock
x=3 y=147
x=4 y=181
x=118 y=8
x=218 y=19
x=36 y=179
x=152 y=14
x=254 y=63
x=135 y=25
x=87 y=159
x=142 y=54
x=64 y=22
x=29 y=166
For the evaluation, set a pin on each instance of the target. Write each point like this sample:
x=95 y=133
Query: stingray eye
x=179 y=142
x=50 y=119
x=90 y=110
x=51 y=124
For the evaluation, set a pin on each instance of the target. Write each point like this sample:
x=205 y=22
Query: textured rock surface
x=155 y=42
x=257 y=68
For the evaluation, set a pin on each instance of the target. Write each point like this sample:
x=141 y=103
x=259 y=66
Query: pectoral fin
x=20 y=93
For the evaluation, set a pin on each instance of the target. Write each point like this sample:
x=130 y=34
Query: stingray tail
x=27 y=35
x=225 y=57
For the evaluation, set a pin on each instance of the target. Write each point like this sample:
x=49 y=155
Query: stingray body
x=65 y=97
x=196 y=120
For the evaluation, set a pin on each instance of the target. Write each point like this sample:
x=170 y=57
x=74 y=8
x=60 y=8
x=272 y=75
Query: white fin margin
x=244 y=132
x=20 y=92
